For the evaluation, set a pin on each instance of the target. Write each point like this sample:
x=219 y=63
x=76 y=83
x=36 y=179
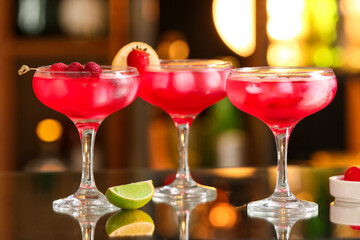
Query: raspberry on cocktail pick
x=58 y=67
x=54 y=67
x=24 y=69
x=94 y=68
x=75 y=67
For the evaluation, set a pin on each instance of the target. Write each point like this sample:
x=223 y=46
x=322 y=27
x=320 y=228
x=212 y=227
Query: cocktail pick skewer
x=24 y=69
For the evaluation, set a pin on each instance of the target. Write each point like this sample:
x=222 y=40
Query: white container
x=346 y=191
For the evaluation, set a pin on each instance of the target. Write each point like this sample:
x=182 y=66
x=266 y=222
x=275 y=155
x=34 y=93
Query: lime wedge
x=131 y=196
x=129 y=223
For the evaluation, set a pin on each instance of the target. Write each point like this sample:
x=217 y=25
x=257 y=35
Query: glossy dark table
x=26 y=205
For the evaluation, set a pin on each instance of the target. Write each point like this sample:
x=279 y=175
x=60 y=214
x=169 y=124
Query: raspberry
x=75 y=67
x=94 y=68
x=58 y=67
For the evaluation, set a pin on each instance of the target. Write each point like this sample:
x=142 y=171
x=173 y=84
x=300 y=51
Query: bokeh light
x=223 y=215
x=173 y=45
x=287 y=53
x=49 y=130
x=178 y=49
x=323 y=57
x=350 y=10
x=235 y=22
x=303 y=32
x=353 y=57
x=285 y=19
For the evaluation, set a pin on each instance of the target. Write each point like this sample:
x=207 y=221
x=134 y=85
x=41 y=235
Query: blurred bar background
x=247 y=32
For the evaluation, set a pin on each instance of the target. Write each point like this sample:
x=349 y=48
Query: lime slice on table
x=120 y=58
x=129 y=223
x=131 y=196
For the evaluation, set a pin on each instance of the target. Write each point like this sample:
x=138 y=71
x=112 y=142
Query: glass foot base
x=281 y=206
x=185 y=191
x=83 y=200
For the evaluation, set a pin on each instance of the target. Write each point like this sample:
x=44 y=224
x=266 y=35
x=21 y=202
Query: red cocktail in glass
x=281 y=97
x=184 y=88
x=87 y=99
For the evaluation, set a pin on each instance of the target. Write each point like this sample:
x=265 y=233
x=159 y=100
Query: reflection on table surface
x=26 y=206
x=346 y=216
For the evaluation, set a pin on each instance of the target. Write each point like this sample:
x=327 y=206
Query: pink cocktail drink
x=281 y=97
x=184 y=88
x=87 y=98
x=183 y=92
x=281 y=102
x=82 y=96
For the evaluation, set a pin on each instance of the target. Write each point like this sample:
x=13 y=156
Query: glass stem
x=183 y=172
x=87 y=230
x=87 y=148
x=184 y=218
x=282 y=188
x=283 y=232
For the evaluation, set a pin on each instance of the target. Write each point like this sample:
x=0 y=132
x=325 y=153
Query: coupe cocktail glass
x=281 y=97
x=87 y=99
x=184 y=88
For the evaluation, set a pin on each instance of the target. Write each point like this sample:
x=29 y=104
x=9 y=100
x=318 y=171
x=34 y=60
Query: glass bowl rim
x=281 y=70
x=188 y=64
x=105 y=69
